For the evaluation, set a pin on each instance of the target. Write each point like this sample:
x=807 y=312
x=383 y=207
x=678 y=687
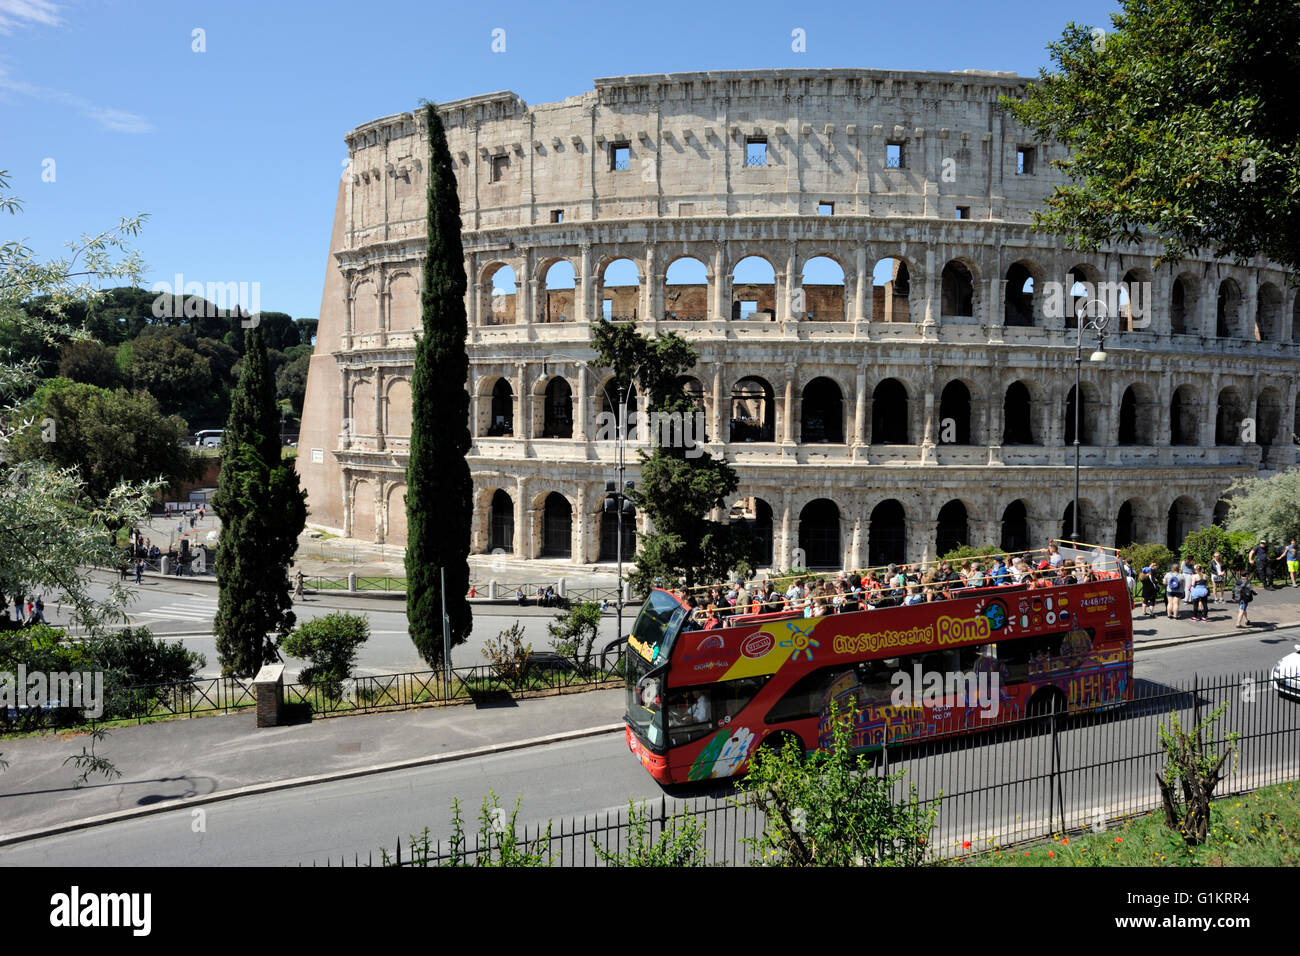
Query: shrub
x=1195 y=765
x=964 y=551
x=575 y=631
x=1150 y=554
x=680 y=842
x=508 y=655
x=831 y=809
x=330 y=643
x=1199 y=547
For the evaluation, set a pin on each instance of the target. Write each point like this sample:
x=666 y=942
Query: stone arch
x=955 y=405
x=609 y=411
x=1184 y=417
x=556 y=515
x=891 y=289
x=887 y=540
x=753 y=410
x=889 y=413
x=819 y=534
x=498 y=411
x=1268 y=418
x=404 y=303
x=559 y=284
x=1082 y=294
x=397 y=409
x=619 y=289
x=753 y=289
x=1018 y=415
x=1268 y=313
x=1227 y=322
x=501 y=523
x=609 y=535
x=1015 y=527
x=824 y=292
x=499 y=302
x=363 y=509
x=1184 y=518
x=1087 y=521
x=1135 y=307
x=822 y=419
x=557 y=409
x=395 y=509
x=1137 y=419
x=365 y=307
x=952 y=527
x=362 y=405
x=1230 y=413
x=957 y=289
x=1088 y=412
x=1018 y=299
x=686 y=290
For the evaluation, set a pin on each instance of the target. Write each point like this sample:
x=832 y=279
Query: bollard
x=268 y=688
x=627 y=591
x=492 y=590
x=164 y=565
x=352 y=582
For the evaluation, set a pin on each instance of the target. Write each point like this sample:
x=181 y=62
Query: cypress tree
x=439 y=490
x=262 y=511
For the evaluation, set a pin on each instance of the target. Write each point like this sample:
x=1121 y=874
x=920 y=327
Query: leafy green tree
x=1266 y=507
x=331 y=643
x=1181 y=126
x=167 y=364
x=829 y=808
x=1199 y=547
x=575 y=631
x=439 y=490
x=1150 y=554
x=680 y=482
x=291 y=382
x=107 y=437
x=262 y=510
x=90 y=362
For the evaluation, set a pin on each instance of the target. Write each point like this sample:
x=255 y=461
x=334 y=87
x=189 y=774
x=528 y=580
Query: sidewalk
x=185 y=762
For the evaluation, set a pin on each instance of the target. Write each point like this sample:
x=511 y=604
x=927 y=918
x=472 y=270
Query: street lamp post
x=618 y=497
x=1097 y=325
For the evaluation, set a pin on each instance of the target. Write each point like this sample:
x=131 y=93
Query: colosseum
x=887 y=350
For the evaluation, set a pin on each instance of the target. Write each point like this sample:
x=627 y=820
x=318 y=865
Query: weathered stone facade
x=868 y=418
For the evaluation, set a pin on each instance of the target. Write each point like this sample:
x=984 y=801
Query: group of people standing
x=1200 y=585
x=35 y=610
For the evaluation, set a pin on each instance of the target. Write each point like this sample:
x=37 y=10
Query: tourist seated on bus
x=712 y=620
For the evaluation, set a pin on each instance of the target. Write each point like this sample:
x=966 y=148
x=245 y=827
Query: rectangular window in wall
x=557 y=215
x=1025 y=161
x=499 y=166
x=748 y=309
x=963 y=212
x=686 y=209
x=894 y=158
x=756 y=151
x=620 y=156
x=826 y=209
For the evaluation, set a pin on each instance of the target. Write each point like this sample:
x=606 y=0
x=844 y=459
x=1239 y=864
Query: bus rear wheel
x=1045 y=702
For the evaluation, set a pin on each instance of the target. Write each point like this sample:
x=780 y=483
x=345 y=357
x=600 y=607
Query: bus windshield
x=660 y=618
x=649 y=644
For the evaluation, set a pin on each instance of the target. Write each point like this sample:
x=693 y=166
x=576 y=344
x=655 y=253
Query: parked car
x=1286 y=675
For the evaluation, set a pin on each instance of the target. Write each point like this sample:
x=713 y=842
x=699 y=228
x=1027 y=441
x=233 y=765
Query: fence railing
x=543 y=675
x=1022 y=781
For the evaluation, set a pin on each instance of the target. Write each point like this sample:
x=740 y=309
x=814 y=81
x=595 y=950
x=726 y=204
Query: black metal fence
x=1022 y=781
x=541 y=675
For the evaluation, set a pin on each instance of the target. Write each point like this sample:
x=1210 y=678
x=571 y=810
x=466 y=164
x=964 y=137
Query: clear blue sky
x=235 y=152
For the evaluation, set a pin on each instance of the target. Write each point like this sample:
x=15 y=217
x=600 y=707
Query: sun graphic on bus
x=802 y=644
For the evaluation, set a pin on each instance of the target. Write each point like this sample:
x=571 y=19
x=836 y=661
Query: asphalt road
x=332 y=820
x=183 y=610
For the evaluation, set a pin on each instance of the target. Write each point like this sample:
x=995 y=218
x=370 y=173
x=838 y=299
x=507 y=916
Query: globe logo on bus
x=996 y=613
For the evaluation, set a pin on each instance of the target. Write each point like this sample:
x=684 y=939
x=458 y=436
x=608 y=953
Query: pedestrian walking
x=298 y=580
x=1147 y=584
x=1292 y=558
x=1258 y=556
x=39 y=617
x=1218 y=573
x=1199 y=592
x=1173 y=592
x=191 y=519
x=139 y=571
x=1243 y=594
x=18 y=610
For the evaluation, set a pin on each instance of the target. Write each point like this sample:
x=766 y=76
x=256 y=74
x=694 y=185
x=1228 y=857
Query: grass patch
x=1261 y=828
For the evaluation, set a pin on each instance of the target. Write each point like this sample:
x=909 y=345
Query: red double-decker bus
x=701 y=699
